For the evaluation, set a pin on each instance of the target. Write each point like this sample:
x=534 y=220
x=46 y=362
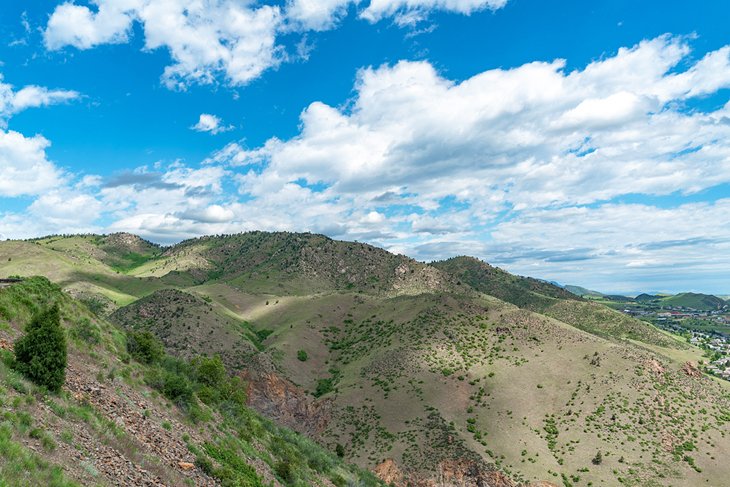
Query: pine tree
x=41 y=353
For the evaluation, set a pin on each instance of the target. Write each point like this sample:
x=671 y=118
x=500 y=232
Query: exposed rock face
x=128 y=242
x=389 y=472
x=690 y=368
x=280 y=400
x=450 y=473
x=655 y=367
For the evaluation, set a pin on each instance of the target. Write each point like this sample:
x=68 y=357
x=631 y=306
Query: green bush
x=177 y=388
x=204 y=464
x=302 y=355
x=41 y=353
x=86 y=331
x=144 y=347
x=210 y=371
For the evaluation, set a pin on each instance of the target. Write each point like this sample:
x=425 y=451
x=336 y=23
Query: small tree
x=302 y=355
x=41 y=353
x=144 y=347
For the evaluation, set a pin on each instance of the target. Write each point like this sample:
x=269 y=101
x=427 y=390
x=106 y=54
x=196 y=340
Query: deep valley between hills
x=344 y=365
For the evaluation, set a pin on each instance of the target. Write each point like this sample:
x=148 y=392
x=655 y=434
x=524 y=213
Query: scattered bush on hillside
x=598 y=459
x=86 y=331
x=144 y=347
x=95 y=304
x=302 y=355
x=295 y=459
x=41 y=353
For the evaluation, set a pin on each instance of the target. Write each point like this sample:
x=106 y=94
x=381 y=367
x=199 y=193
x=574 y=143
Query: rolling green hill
x=189 y=326
x=581 y=291
x=455 y=373
x=291 y=263
x=525 y=292
x=647 y=297
x=703 y=302
x=550 y=300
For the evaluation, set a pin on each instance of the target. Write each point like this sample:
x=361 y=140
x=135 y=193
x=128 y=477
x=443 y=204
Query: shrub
x=209 y=371
x=598 y=459
x=86 y=331
x=41 y=353
x=177 y=389
x=144 y=347
x=204 y=464
x=302 y=355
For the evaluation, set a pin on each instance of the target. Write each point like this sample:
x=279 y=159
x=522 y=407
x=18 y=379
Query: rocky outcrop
x=389 y=472
x=280 y=400
x=691 y=369
x=460 y=472
x=655 y=367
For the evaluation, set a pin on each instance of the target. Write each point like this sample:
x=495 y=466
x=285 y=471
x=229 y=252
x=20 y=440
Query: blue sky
x=583 y=142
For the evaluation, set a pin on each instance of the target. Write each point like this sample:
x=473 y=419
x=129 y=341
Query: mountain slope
x=485 y=381
x=189 y=326
x=108 y=427
x=550 y=300
x=581 y=291
x=524 y=292
x=430 y=373
x=290 y=263
x=698 y=301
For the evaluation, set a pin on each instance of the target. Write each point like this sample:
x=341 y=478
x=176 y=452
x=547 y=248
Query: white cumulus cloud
x=206 y=39
x=211 y=123
x=15 y=101
x=229 y=40
x=24 y=166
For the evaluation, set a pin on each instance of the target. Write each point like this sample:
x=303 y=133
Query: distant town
x=708 y=329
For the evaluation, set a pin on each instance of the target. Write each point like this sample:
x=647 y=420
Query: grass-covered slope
x=119 y=251
x=428 y=379
x=79 y=264
x=295 y=263
x=189 y=326
x=581 y=291
x=550 y=300
x=117 y=421
x=451 y=370
x=524 y=292
x=698 y=301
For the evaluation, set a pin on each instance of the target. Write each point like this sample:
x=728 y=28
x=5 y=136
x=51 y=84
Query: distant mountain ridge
x=698 y=301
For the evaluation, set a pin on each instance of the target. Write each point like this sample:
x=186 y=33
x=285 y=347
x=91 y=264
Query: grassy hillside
x=290 y=263
x=189 y=326
x=524 y=292
x=647 y=297
x=79 y=265
x=458 y=370
x=114 y=424
x=704 y=302
x=581 y=291
x=550 y=300
x=425 y=378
